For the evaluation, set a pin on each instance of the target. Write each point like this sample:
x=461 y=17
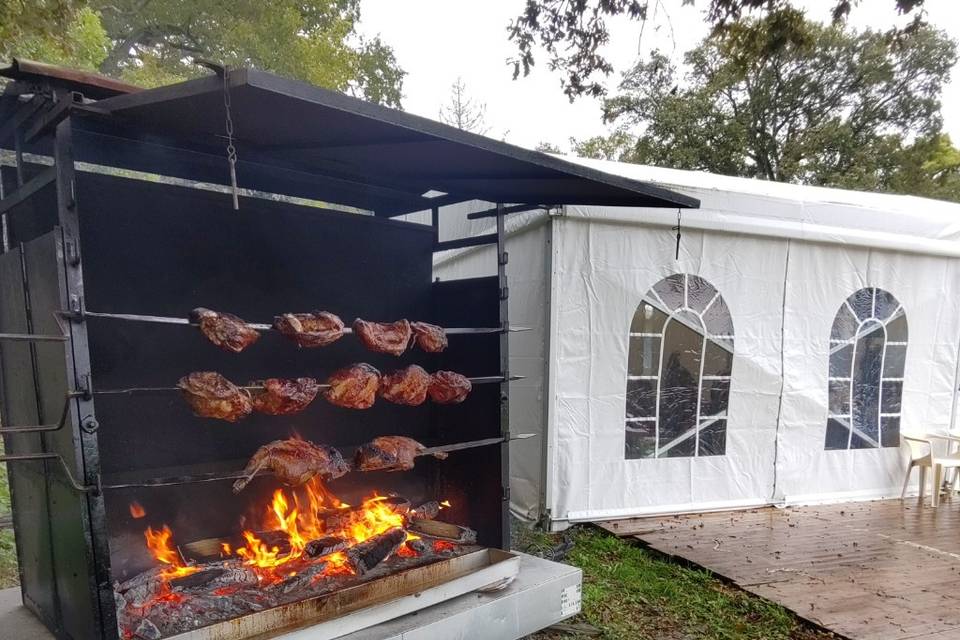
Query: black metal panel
x=471 y=479
x=28 y=484
x=33 y=217
x=69 y=518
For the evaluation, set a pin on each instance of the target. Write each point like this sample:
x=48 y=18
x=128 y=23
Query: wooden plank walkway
x=872 y=570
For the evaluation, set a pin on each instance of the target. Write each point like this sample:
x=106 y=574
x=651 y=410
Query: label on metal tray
x=570 y=600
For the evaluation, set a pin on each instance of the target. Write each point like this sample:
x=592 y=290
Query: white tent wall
x=528 y=242
x=602 y=271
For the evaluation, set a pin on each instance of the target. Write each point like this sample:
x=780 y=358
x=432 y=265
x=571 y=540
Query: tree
x=574 y=33
x=152 y=42
x=842 y=108
x=463 y=112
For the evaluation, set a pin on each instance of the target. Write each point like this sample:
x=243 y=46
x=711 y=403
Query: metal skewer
x=217 y=477
x=132 y=317
x=148 y=390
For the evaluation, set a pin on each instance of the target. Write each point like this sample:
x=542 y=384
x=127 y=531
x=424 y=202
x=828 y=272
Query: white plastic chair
x=921 y=455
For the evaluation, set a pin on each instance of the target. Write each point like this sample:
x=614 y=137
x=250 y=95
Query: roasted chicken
x=390 y=453
x=210 y=395
x=448 y=387
x=405 y=386
x=392 y=338
x=294 y=462
x=353 y=387
x=429 y=337
x=225 y=330
x=281 y=396
x=316 y=329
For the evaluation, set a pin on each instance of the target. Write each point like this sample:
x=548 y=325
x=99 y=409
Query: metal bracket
x=42 y=428
x=504 y=258
x=21 y=457
x=504 y=293
x=71 y=252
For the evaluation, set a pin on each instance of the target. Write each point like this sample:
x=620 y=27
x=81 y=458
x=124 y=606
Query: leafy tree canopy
x=841 y=108
x=573 y=33
x=153 y=42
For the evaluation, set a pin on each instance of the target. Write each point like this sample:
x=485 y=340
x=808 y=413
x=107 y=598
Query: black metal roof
x=390 y=156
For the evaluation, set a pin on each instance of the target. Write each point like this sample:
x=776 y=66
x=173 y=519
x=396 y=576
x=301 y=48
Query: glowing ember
x=442 y=545
x=136 y=510
x=158 y=542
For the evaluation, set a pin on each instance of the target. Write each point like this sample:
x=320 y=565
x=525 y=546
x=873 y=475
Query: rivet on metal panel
x=90 y=424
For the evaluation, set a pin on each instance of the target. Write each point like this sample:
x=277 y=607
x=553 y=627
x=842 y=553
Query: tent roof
x=798 y=211
x=390 y=157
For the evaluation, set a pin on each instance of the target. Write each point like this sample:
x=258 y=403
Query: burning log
x=227 y=574
x=147 y=631
x=426 y=511
x=338 y=519
x=142 y=588
x=324 y=546
x=444 y=530
x=211 y=549
x=301 y=579
x=368 y=554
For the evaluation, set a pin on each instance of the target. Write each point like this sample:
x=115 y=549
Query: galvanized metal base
x=542 y=594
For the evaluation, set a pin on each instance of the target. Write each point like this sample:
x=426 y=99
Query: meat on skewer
x=281 y=396
x=406 y=386
x=294 y=462
x=225 y=330
x=392 y=338
x=316 y=329
x=449 y=387
x=353 y=387
x=210 y=395
x=429 y=337
x=390 y=453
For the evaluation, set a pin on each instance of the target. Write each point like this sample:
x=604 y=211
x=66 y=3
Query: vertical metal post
x=435 y=221
x=502 y=259
x=78 y=358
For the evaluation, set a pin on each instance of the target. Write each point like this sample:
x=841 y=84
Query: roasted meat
x=448 y=387
x=392 y=338
x=210 y=395
x=353 y=387
x=429 y=337
x=281 y=396
x=390 y=453
x=294 y=462
x=316 y=329
x=405 y=386
x=225 y=330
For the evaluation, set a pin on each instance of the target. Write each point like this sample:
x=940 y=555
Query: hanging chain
x=231 y=150
x=677 y=229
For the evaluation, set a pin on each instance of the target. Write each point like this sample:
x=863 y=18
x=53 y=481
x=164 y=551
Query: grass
x=9 y=575
x=632 y=593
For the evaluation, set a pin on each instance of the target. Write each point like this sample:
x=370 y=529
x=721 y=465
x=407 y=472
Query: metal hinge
x=504 y=258
x=504 y=293
x=506 y=493
x=71 y=252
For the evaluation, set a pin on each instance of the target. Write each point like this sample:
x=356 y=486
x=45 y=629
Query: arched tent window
x=868 y=348
x=678 y=371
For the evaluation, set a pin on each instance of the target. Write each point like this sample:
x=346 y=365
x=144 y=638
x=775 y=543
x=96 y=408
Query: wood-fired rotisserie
x=316 y=329
x=353 y=387
x=281 y=396
x=390 y=453
x=429 y=337
x=449 y=387
x=294 y=462
x=392 y=338
x=406 y=386
x=225 y=330
x=210 y=395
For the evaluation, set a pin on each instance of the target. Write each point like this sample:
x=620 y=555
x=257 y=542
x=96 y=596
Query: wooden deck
x=877 y=570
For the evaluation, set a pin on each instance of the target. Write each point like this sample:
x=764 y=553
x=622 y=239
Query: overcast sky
x=438 y=40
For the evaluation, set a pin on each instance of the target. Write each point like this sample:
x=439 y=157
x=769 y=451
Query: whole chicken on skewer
x=449 y=387
x=405 y=386
x=210 y=395
x=353 y=387
x=281 y=397
x=294 y=462
x=390 y=453
x=316 y=329
x=225 y=330
x=391 y=338
x=429 y=337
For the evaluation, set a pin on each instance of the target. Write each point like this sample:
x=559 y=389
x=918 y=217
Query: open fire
x=307 y=542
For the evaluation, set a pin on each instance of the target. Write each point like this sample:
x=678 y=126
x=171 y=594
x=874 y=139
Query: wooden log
x=142 y=588
x=338 y=519
x=444 y=530
x=324 y=546
x=211 y=549
x=302 y=580
x=368 y=554
x=225 y=574
x=426 y=511
x=146 y=630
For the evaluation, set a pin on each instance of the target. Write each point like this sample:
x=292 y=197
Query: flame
x=158 y=542
x=445 y=504
x=137 y=510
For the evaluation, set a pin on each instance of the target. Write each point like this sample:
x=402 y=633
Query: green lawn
x=632 y=593
x=8 y=552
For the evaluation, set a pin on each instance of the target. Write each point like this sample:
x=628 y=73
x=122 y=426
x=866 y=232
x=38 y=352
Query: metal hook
x=677 y=229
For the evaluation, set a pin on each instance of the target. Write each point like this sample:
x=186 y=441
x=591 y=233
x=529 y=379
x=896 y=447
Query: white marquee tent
x=775 y=361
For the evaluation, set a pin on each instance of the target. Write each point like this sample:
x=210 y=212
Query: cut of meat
x=449 y=387
x=429 y=337
x=316 y=329
x=353 y=387
x=225 y=330
x=210 y=395
x=390 y=453
x=280 y=396
x=294 y=462
x=392 y=338
x=406 y=386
